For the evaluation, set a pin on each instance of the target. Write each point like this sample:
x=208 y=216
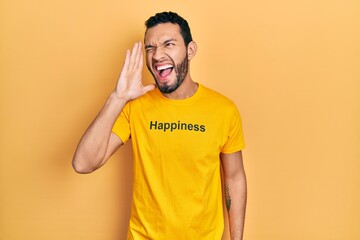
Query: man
x=181 y=133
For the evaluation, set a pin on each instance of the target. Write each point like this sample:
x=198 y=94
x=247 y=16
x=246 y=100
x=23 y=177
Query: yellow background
x=292 y=67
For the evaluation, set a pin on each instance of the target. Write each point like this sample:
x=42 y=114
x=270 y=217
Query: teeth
x=164 y=67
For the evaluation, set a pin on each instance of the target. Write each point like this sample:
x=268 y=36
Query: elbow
x=81 y=166
x=81 y=169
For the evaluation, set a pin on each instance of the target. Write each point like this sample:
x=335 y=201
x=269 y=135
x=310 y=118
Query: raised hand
x=129 y=85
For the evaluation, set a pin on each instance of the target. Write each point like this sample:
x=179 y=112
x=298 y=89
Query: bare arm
x=98 y=142
x=235 y=192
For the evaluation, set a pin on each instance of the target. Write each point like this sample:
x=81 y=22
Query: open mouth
x=164 y=70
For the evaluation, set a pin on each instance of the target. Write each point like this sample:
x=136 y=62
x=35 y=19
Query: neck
x=187 y=89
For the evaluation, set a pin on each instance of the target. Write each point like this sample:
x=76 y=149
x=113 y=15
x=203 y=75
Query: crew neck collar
x=184 y=100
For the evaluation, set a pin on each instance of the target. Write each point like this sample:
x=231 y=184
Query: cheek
x=179 y=55
x=148 y=60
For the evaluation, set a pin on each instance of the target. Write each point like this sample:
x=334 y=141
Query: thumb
x=149 y=88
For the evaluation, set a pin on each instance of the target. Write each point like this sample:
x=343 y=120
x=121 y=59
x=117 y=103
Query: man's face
x=166 y=56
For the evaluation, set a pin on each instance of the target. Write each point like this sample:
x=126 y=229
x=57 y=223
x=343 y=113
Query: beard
x=181 y=71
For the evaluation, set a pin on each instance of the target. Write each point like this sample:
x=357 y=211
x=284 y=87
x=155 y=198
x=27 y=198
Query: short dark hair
x=171 y=17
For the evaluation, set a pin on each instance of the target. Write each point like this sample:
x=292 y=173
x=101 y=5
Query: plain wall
x=292 y=67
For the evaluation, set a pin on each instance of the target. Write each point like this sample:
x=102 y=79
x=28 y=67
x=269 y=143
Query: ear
x=191 y=50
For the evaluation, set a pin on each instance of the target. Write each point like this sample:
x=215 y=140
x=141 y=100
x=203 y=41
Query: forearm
x=235 y=197
x=97 y=143
x=93 y=145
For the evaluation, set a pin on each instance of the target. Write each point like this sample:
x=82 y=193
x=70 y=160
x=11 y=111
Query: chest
x=196 y=130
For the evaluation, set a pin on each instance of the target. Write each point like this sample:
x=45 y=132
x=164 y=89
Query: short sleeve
x=122 y=125
x=235 y=140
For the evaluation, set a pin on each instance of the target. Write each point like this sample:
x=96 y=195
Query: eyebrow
x=169 y=40
x=147 y=46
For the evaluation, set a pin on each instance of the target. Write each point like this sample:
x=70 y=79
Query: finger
x=141 y=58
x=134 y=55
x=138 y=57
x=127 y=59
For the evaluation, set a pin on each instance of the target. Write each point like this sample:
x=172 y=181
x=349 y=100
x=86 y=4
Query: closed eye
x=149 y=49
x=169 y=44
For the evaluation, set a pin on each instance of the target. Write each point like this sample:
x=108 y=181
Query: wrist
x=118 y=98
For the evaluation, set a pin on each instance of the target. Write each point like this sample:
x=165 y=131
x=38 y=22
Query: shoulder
x=219 y=105
x=214 y=97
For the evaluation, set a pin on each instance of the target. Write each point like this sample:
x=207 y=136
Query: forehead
x=163 y=32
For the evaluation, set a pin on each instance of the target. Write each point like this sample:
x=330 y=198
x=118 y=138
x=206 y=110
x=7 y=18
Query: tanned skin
x=99 y=142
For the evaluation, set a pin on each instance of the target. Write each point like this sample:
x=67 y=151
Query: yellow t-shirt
x=176 y=146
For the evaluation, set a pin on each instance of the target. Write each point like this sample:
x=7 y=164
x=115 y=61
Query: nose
x=158 y=53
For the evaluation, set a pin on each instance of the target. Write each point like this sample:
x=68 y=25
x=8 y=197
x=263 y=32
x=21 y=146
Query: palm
x=129 y=84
